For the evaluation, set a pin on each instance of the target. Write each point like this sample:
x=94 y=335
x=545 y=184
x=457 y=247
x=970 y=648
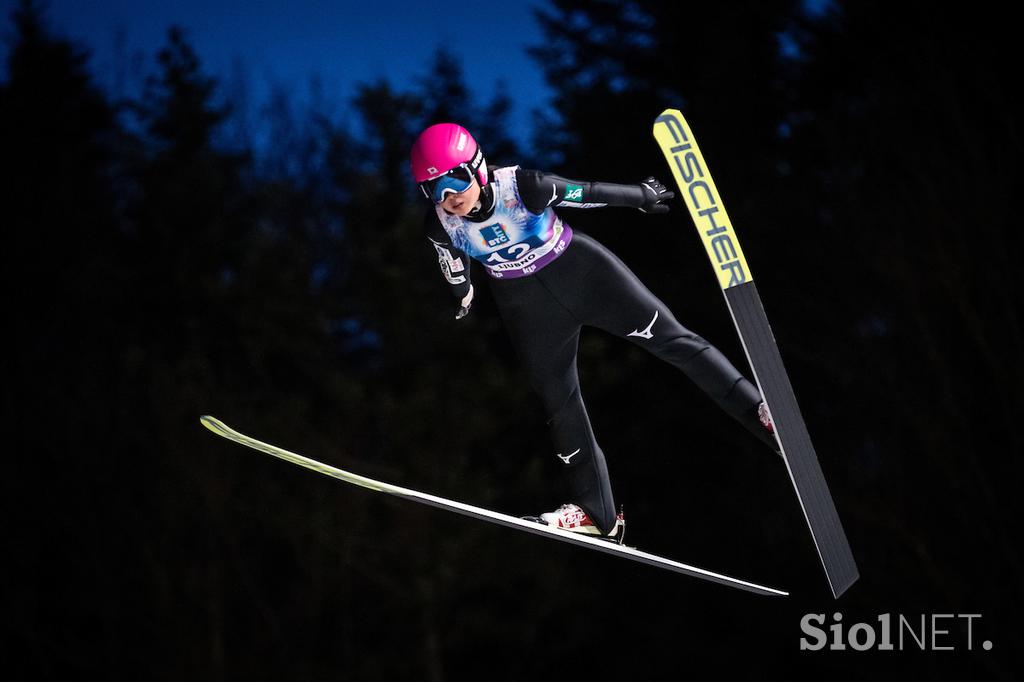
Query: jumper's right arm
x=453 y=262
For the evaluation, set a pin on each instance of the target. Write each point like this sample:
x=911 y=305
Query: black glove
x=465 y=304
x=654 y=194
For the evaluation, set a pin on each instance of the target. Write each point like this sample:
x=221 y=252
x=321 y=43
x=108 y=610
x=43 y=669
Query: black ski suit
x=574 y=281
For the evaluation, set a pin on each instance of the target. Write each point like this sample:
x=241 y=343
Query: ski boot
x=572 y=518
x=766 y=421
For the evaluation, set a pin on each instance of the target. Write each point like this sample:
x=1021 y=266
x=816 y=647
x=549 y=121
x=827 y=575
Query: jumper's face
x=461 y=203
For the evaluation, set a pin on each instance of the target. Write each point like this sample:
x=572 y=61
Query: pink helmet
x=445 y=146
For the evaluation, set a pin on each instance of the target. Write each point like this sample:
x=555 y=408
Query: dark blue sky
x=341 y=41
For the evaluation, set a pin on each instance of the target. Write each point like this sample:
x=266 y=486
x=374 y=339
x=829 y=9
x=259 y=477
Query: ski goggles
x=455 y=181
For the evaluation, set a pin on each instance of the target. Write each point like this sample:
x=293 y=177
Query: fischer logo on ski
x=705 y=206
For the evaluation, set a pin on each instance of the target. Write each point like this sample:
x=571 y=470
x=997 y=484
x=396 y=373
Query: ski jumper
x=548 y=282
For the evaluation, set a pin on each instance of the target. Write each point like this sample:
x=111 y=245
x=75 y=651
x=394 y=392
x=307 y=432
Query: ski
x=633 y=554
x=701 y=197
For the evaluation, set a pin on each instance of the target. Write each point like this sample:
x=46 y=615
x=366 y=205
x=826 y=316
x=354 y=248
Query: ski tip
x=209 y=422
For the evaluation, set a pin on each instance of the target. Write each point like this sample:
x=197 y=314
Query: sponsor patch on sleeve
x=574 y=193
x=449 y=265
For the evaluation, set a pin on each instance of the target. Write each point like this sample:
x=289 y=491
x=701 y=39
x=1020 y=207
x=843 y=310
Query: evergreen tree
x=59 y=139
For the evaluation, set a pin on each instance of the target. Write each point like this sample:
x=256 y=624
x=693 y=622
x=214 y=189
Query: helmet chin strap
x=484 y=206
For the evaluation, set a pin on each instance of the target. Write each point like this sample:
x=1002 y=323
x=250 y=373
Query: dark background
x=159 y=264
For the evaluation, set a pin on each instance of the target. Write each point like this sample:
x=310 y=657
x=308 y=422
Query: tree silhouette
x=159 y=268
x=841 y=142
x=59 y=218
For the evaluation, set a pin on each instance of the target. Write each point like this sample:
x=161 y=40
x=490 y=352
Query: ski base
x=801 y=461
x=622 y=551
x=698 y=192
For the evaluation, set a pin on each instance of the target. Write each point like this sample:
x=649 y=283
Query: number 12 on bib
x=701 y=197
